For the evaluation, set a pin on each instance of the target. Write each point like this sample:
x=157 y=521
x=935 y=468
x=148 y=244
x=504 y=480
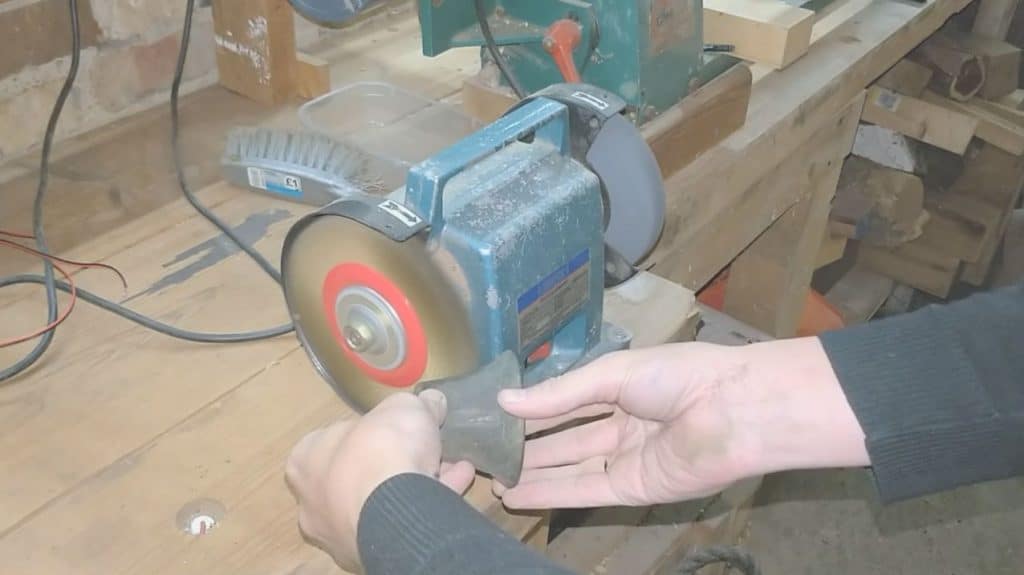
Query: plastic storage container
x=397 y=128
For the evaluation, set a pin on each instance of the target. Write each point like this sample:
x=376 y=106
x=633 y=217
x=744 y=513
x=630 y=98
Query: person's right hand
x=680 y=422
x=666 y=435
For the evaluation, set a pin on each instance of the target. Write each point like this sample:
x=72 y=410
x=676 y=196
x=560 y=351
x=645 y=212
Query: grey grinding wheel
x=636 y=192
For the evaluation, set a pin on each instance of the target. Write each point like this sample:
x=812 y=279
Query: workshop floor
x=832 y=522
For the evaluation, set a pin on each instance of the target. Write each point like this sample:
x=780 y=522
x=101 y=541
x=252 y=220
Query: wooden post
x=769 y=282
x=256 y=54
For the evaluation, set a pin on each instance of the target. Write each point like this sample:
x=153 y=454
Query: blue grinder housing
x=520 y=221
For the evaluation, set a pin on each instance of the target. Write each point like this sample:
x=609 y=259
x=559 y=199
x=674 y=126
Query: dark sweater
x=939 y=394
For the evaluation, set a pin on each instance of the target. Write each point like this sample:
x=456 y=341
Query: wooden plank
x=677 y=136
x=1013 y=100
x=959 y=224
x=700 y=121
x=906 y=77
x=999 y=109
x=994 y=18
x=991 y=127
x=769 y=282
x=255 y=47
x=763 y=203
x=994 y=177
x=859 y=294
x=928 y=122
x=766 y=31
x=915 y=264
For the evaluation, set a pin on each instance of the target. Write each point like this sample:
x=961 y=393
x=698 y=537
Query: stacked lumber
x=937 y=167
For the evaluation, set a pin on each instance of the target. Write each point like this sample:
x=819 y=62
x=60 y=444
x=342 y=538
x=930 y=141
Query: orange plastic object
x=561 y=39
x=818 y=315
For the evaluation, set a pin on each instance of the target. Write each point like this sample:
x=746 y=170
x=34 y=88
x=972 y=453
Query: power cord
x=37 y=208
x=732 y=556
x=492 y=47
x=48 y=280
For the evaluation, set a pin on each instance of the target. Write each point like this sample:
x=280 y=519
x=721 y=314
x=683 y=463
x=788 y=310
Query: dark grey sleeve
x=939 y=392
x=412 y=525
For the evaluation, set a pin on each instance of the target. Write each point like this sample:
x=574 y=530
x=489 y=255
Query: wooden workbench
x=117 y=429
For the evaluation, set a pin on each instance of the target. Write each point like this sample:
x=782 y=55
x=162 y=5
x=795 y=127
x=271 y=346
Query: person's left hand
x=333 y=471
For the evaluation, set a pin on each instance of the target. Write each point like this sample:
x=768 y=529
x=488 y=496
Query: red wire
x=17 y=234
x=53 y=258
x=67 y=312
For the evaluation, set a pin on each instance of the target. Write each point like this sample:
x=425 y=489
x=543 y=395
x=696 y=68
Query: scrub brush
x=305 y=167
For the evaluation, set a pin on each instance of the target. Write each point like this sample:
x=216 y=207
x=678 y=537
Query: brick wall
x=129 y=49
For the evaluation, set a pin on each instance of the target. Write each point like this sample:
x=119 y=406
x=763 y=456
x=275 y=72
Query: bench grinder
x=486 y=271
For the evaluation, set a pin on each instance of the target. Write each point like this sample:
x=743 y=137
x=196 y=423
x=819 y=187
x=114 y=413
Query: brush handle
x=544 y=119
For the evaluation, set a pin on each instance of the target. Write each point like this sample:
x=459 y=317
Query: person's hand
x=680 y=422
x=334 y=470
x=665 y=435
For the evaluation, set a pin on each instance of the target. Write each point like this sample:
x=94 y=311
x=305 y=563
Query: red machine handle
x=561 y=39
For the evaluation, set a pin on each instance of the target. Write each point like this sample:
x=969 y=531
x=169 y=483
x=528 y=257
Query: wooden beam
x=925 y=121
x=859 y=294
x=994 y=18
x=915 y=264
x=769 y=282
x=906 y=77
x=959 y=224
x=991 y=127
x=995 y=178
x=765 y=31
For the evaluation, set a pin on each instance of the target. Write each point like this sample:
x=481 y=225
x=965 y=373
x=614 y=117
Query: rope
x=732 y=556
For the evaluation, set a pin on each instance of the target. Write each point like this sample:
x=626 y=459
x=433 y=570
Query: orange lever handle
x=561 y=39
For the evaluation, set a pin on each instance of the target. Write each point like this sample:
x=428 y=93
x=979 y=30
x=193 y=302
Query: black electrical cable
x=144 y=321
x=492 y=47
x=37 y=209
x=179 y=72
x=48 y=280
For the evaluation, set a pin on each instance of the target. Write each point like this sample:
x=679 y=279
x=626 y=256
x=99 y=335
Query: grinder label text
x=552 y=300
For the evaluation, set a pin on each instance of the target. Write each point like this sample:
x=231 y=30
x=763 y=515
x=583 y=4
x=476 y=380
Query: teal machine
x=650 y=53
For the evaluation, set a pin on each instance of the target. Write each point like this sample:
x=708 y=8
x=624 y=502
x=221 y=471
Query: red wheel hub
x=414 y=361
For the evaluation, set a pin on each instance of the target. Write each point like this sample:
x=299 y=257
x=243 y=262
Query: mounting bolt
x=358 y=336
x=200 y=524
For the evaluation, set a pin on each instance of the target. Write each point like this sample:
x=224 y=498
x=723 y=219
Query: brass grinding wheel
x=376 y=316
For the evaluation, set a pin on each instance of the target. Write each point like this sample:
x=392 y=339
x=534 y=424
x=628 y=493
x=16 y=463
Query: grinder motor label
x=552 y=300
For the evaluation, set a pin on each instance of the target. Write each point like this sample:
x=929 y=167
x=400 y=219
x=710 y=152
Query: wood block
x=1001 y=60
x=915 y=263
x=906 y=77
x=701 y=120
x=991 y=128
x=312 y=76
x=959 y=225
x=859 y=294
x=833 y=246
x=956 y=72
x=994 y=177
x=994 y=18
x=882 y=205
x=255 y=45
x=764 y=31
x=1000 y=109
x=918 y=119
x=886 y=147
